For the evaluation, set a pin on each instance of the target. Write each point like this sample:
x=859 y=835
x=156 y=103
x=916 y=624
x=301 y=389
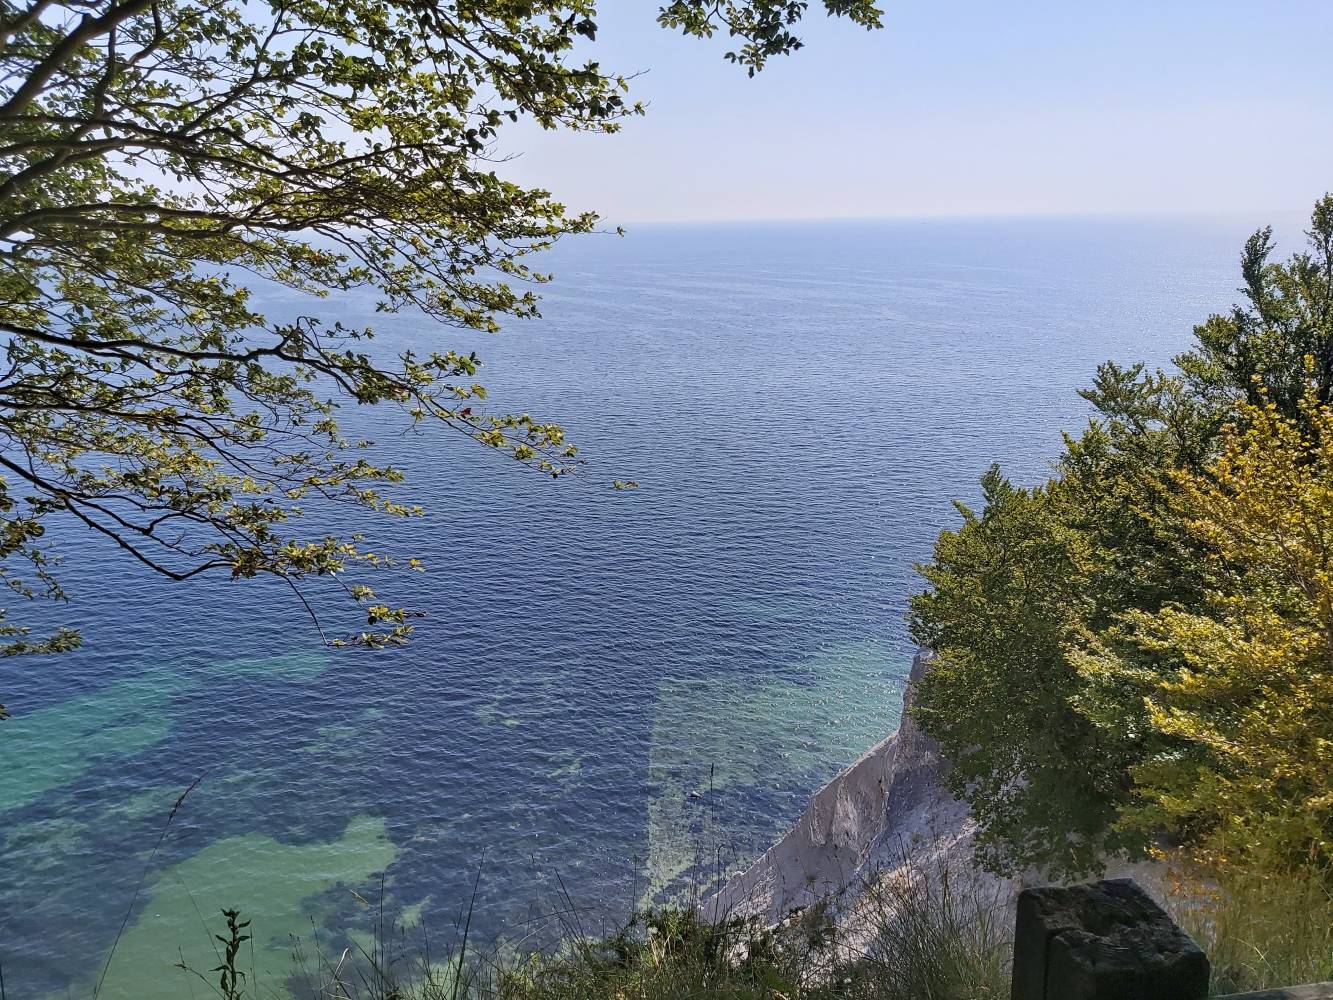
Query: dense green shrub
x=1142 y=647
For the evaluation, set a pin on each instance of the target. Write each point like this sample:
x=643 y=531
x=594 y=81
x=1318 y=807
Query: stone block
x=1103 y=941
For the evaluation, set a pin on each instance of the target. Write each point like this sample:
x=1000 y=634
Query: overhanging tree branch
x=160 y=157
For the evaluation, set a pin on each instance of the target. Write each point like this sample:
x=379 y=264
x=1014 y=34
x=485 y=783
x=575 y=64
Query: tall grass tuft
x=936 y=933
x=1260 y=930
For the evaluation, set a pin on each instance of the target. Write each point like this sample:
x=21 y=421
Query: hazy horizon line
x=1259 y=214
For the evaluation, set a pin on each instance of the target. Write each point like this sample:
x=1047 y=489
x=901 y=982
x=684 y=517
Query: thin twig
x=152 y=856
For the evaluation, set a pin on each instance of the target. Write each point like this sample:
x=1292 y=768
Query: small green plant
x=229 y=976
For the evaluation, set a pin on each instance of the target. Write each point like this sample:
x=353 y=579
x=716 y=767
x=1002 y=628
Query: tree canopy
x=1138 y=651
x=160 y=157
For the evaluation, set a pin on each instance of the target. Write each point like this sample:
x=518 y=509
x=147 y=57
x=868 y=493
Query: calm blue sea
x=610 y=687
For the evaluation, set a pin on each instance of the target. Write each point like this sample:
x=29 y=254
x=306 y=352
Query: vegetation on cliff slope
x=1140 y=651
x=924 y=933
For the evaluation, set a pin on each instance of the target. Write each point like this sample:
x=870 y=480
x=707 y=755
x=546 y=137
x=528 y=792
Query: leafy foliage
x=1287 y=317
x=1134 y=649
x=1010 y=593
x=159 y=158
x=1241 y=694
x=765 y=27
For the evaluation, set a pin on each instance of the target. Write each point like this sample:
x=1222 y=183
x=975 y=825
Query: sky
x=964 y=108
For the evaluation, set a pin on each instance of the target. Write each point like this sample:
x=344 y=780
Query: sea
x=615 y=696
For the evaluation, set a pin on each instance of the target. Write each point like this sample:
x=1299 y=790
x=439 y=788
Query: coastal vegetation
x=1260 y=929
x=925 y=933
x=1138 y=654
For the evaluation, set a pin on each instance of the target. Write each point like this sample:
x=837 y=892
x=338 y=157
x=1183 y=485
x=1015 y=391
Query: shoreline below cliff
x=886 y=814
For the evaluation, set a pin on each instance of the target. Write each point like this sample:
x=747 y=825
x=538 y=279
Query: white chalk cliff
x=888 y=810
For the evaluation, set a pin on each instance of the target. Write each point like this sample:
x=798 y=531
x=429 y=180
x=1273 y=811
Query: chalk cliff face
x=887 y=812
x=865 y=821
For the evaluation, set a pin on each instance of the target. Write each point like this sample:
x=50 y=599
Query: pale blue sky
x=964 y=108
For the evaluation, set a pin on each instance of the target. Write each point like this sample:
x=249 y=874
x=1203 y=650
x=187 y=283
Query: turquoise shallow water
x=606 y=680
